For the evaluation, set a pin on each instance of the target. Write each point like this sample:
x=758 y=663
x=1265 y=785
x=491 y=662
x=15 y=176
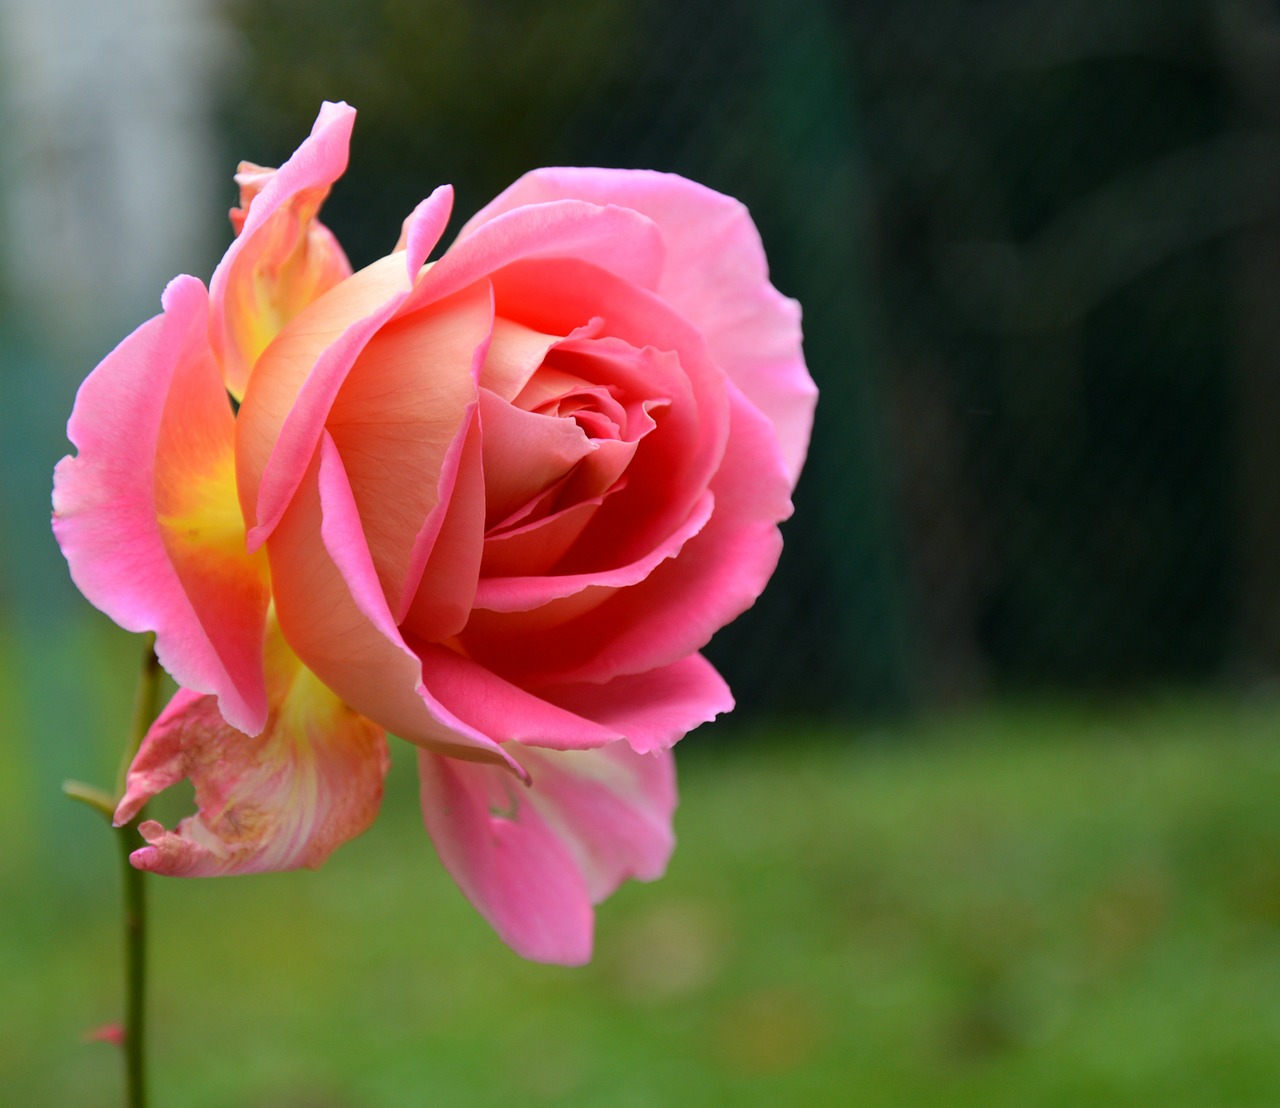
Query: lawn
x=1030 y=904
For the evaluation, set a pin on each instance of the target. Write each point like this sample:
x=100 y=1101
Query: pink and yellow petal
x=146 y=514
x=533 y=861
x=297 y=380
x=283 y=258
x=287 y=798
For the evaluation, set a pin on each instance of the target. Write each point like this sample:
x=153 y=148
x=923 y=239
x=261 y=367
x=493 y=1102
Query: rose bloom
x=494 y=504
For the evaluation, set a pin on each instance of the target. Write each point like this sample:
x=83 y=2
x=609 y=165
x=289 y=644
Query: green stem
x=135 y=971
x=146 y=708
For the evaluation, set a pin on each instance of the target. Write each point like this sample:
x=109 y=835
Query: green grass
x=1041 y=904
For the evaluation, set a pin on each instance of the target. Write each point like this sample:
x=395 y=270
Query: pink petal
x=145 y=516
x=654 y=710
x=283 y=257
x=285 y=799
x=649 y=353
x=335 y=616
x=715 y=274
x=675 y=609
x=514 y=355
x=503 y=711
x=533 y=861
x=623 y=242
x=541 y=593
x=533 y=549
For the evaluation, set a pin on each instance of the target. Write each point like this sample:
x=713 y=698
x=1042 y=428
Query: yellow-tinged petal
x=283 y=257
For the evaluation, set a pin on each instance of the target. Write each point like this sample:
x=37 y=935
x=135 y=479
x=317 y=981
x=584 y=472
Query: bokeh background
x=996 y=820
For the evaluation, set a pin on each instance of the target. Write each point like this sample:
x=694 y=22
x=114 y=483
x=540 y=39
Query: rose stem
x=146 y=708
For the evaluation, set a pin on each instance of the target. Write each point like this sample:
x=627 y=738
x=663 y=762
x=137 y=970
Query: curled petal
x=285 y=799
x=654 y=710
x=622 y=242
x=146 y=512
x=715 y=274
x=534 y=860
x=283 y=258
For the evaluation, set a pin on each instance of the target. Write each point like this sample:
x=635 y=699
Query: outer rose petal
x=715 y=275
x=285 y=799
x=283 y=257
x=654 y=710
x=146 y=513
x=533 y=861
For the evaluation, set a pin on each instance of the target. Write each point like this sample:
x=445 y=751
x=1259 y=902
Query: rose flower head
x=493 y=504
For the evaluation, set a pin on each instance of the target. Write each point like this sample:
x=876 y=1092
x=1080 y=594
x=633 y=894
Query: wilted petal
x=288 y=798
x=534 y=860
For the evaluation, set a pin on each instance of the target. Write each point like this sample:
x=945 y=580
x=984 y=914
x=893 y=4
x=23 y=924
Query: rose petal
x=648 y=353
x=285 y=799
x=533 y=861
x=623 y=242
x=715 y=274
x=441 y=606
x=676 y=608
x=283 y=257
x=154 y=433
x=524 y=454
x=503 y=711
x=654 y=710
x=397 y=421
x=334 y=614
x=298 y=377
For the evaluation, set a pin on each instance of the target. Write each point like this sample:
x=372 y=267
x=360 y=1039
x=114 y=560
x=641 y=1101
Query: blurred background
x=995 y=821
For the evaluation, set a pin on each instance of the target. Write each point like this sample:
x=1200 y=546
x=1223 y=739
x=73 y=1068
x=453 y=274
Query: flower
x=494 y=504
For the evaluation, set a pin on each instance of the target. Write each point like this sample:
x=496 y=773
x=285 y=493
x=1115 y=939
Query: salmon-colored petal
x=533 y=549
x=146 y=515
x=283 y=257
x=287 y=798
x=533 y=861
x=514 y=355
x=333 y=613
x=524 y=453
x=715 y=274
x=441 y=605
x=399 y=418
x=298 y=377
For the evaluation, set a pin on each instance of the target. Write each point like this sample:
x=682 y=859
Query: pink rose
x=494 y=504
